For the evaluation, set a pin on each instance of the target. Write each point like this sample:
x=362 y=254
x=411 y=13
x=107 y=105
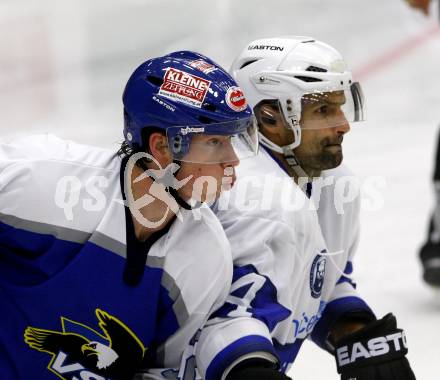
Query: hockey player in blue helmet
x=186 y=113
x=193 y=109
x=104 y=268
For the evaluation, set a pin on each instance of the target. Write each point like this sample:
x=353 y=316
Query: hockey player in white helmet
x=292 y=266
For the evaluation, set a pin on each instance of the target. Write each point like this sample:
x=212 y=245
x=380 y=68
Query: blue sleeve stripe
x=234 y=351
x=347 y=280
x=333 y=311
x=38 y=228
x=348 y=268
x=287 y=352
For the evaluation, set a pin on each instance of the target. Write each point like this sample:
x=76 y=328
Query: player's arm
x=346 y=311
x=364 y=347
x=236 y=342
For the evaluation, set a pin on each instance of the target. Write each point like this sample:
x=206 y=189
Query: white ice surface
x=63 y=65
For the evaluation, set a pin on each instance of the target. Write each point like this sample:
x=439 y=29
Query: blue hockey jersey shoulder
x=63 y=248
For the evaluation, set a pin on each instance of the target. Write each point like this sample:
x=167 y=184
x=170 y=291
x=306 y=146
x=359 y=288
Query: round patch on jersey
x=235 y=99
x=317 y=275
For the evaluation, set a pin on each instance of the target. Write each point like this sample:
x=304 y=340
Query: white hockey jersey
x=337 y=199
x=288 y=283
x=65 y=236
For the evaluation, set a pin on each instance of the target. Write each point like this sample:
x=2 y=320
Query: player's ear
x=159 y=149
x=268 y=119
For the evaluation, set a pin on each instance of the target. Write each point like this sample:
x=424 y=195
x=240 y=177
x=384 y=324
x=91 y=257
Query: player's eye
x=214 y=142
x=322 y=110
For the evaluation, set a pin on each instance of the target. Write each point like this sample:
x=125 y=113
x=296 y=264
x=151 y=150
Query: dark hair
x=126 y=150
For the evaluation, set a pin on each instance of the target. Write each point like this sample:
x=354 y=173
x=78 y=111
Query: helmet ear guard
x=264 y=112
x=177 y=145
x=269 y=113
x=269 y=121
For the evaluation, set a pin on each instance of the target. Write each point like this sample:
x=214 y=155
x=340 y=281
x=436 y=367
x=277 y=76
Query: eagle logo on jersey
x=79 y=352
x=317 y=274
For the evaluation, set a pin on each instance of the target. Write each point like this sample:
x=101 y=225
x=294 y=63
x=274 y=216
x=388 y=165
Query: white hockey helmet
x=291 y=69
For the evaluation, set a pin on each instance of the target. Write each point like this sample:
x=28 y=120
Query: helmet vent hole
x=316 y=69
x=204 y=119
x=155 y=80
x=209 y=107
x=307 y=79
x=248 y=63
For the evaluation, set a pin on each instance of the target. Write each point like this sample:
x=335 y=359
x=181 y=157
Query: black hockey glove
x=257 y=373
x=376 y=352
x=256 y=369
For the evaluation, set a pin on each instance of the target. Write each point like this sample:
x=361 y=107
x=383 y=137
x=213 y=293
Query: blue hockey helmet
x=190 y=98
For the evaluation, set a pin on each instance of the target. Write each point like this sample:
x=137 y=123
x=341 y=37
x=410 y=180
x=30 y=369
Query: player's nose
x=230 y=155
x=341 y=123
x=343 y=126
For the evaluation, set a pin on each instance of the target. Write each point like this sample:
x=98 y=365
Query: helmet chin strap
x=287 y=151
x=179 y=199
x=293 y=162
x=173 y=192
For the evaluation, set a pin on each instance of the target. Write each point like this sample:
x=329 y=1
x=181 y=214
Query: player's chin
x=332 y=160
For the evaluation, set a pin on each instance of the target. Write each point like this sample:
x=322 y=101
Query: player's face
x=324 y=128
x=209 y=180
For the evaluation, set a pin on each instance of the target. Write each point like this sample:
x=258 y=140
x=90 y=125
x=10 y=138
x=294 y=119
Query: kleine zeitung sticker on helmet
x=183 y=87
x=235 y=99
